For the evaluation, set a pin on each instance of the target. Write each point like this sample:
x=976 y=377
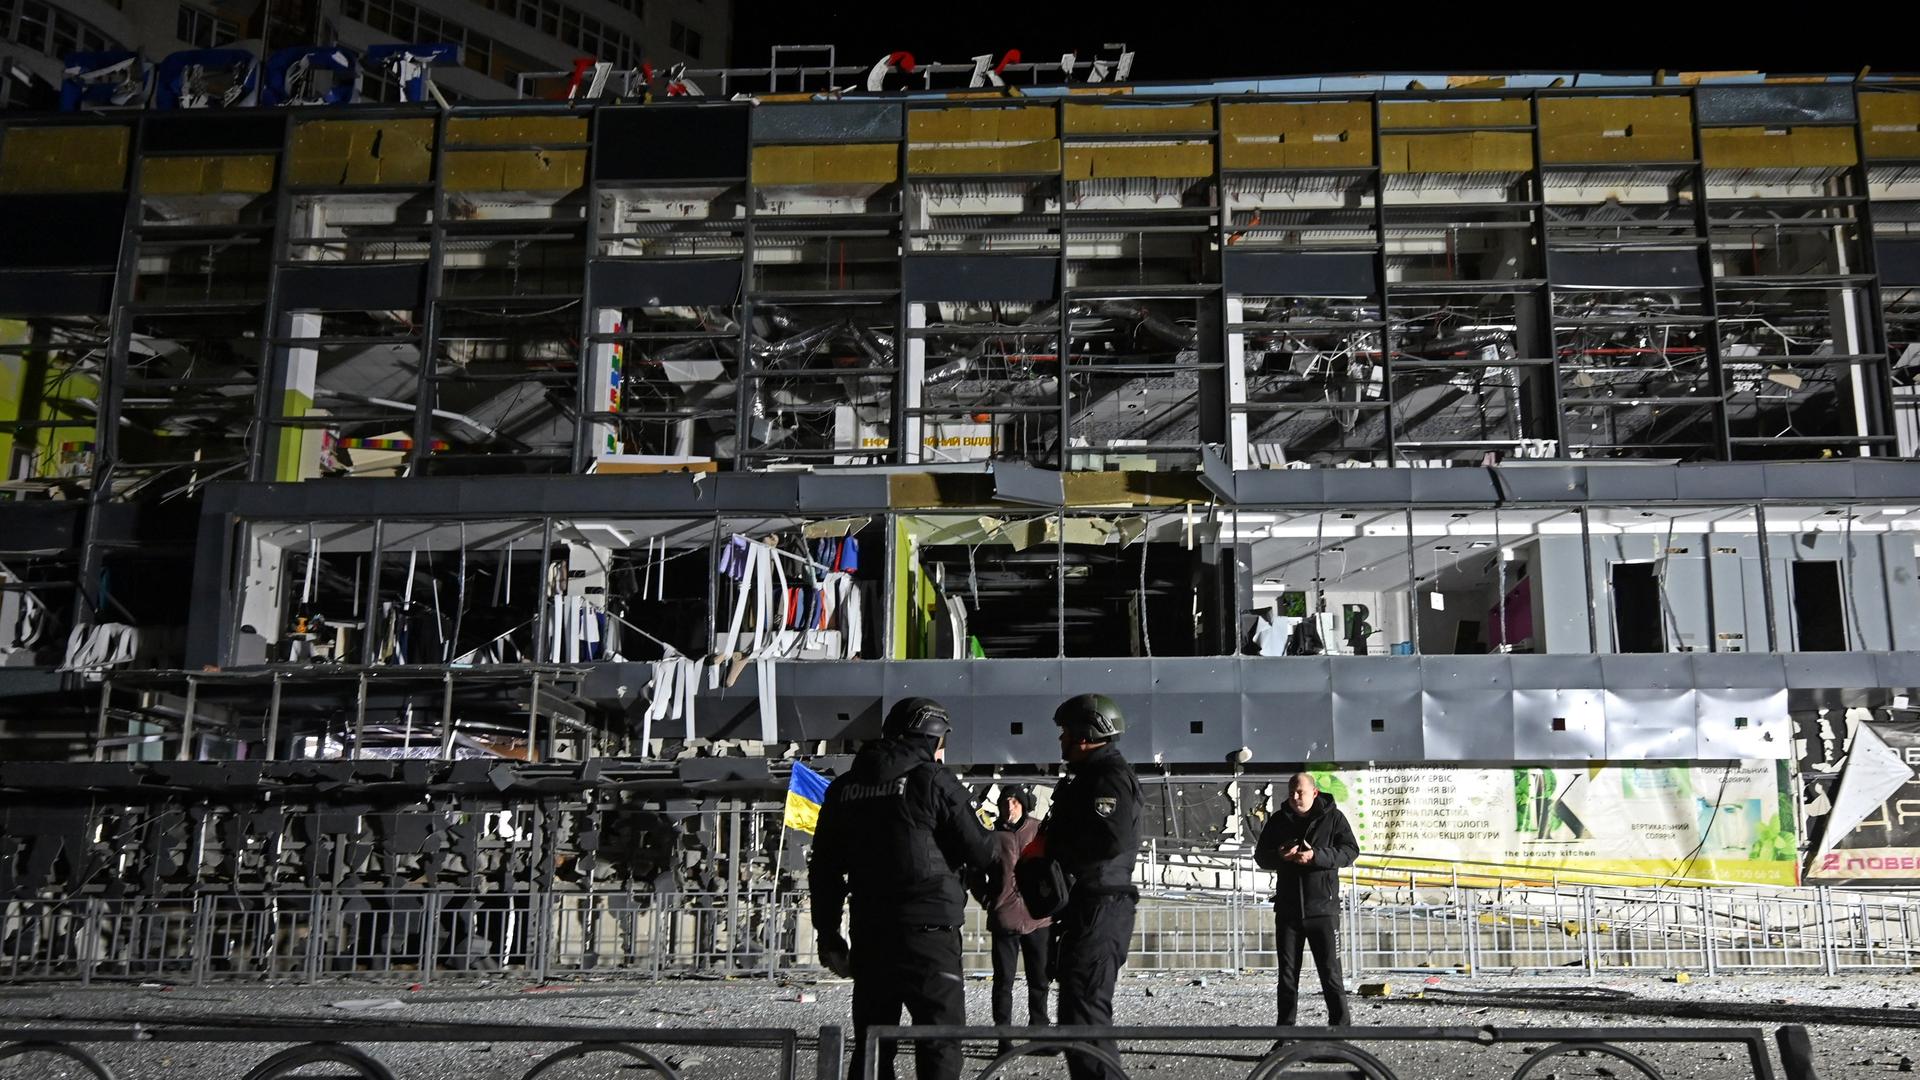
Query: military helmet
x=917 y=716
x=1093 y=717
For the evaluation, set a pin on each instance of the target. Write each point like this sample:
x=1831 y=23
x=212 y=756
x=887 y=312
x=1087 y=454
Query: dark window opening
x=1817 y=616
x=1637 y=608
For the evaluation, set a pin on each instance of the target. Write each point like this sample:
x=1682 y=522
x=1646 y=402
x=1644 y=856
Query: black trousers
x=1008 y=950
x=1323 y=934
x=913 y=967
x=1094 y=931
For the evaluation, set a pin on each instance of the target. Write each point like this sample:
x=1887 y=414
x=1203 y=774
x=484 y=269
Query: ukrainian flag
x=806 y=790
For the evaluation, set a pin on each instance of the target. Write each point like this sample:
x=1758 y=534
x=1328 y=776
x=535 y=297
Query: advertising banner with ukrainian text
x=1884 y=847
x=1624 y=824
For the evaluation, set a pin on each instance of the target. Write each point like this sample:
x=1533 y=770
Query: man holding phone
x=1307 y=842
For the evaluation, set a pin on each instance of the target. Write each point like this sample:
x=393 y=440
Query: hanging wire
x=1857 y=634
x=973 y=578
x=1146 y=634
x=1500 y=561
x=1319 y=584
x=1668 y=616
x=460 y=596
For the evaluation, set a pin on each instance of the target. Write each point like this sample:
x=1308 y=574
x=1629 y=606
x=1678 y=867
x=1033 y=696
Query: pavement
x=1861 y=1024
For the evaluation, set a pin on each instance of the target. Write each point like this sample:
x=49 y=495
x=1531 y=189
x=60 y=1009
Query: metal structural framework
x=481 y=502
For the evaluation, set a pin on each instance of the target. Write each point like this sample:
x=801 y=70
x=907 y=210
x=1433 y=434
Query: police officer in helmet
x=896 y=833
x=1093 y=829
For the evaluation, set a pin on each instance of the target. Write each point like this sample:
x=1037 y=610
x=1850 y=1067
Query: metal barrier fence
x=1414 y=923
x=1364 y=1051
x=1392 y=922
x=390 y=1052
x=768 y=1052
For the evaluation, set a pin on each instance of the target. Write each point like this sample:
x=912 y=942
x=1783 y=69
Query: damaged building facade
x=443 y=526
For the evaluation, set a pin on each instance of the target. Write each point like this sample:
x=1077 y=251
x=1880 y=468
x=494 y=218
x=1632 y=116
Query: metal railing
x=1369 y=1052
x=769 y=1052
x=1393 y=921
x=389 y=1052
x=1407 y=921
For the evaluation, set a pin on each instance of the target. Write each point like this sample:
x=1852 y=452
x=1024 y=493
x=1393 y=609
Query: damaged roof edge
x=867 y=492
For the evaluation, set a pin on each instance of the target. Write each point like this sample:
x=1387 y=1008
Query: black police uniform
x=1093 y=829
x=895 y=832
x=1306 y=901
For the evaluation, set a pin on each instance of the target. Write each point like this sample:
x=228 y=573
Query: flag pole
x=774 y=919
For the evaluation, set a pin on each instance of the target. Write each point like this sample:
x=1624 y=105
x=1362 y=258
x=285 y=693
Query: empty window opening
x=1636 y=608
x=1818 y=620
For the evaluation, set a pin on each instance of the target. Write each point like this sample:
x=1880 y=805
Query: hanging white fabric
x=590 y=628
x=505 y=595
x=844 y=597
x=957 y=622
x=672 y=696
x=769 y=699
x=313 y=562
x=101 y=646
x=762 y=601
x=778 y=597
x=690 y=690
x=663 y=672
x=852 y=619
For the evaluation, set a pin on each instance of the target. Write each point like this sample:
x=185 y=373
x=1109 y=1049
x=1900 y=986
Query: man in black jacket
x=1093 y=829
x=897 y=832
x=1307 y=841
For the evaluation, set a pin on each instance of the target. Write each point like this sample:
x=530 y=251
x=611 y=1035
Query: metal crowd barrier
x=1392 y=922
x=93 y=1049
x=1363 y=1051
x=1372 y=1053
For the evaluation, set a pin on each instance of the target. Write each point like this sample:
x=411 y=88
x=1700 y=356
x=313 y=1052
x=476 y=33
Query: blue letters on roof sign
x=292 y=76
x=207 y=78
x=115 y=77
x=233 y=78
x=409 y=63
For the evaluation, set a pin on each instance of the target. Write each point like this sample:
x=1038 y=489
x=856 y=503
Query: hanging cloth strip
x=675 y=691
x=690 y=668
x=777 y=600
x=105 y=645
x=313 y=564
x=664 y=673
x=767 y=672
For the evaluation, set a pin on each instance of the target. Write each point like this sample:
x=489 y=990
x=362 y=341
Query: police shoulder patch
x=1105 y=805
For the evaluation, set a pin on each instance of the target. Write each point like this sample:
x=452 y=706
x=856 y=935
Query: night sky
x=1184 y=40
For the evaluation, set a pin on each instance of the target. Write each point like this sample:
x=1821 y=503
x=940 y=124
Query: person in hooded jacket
x=1307 y=841
x=896 y=834
x=1016 y=933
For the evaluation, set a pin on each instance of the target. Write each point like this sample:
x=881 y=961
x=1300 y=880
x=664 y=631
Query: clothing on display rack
x=838 y=554
x=814 y=615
